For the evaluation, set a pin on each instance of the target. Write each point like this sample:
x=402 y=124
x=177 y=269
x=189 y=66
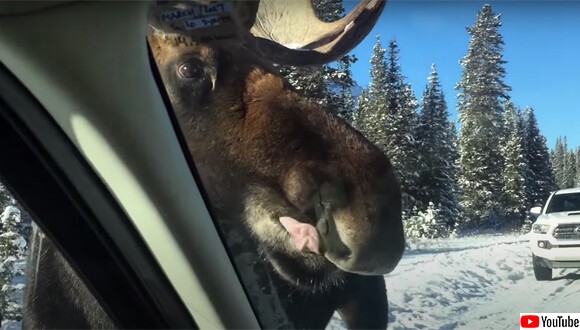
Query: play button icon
x=529 y=321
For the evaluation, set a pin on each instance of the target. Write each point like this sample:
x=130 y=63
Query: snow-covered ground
x=480 y=282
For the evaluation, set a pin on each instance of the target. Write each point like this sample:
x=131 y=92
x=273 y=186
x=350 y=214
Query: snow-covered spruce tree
x=25 y=224
x=372 y=111
x=570 y=169
x=425 y=224
x=347 y=106
x=362 y=105
x=5 y=197
x=577 y=180
x=527 y=225
x=309 y=81
x=387 y=115
x=541 y=180
x=522 y=117
x=455 y=181
x=481 y=97
x=558 y=159
x=564 y=164
x=11 y=250
x=514 y=169
x=340 y=81
x=329 y=85
x=437 y=157
x=401 y=128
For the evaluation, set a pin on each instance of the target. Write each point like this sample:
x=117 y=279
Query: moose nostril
x=330 y=239
x=320 y=215
x=322 y=226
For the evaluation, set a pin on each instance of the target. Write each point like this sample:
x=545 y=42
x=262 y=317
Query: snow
x=8 y=211
x=11 y=325
x=295 y=46
x=480 y=282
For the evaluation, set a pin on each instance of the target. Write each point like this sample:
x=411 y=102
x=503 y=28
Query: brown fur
x=262 y=152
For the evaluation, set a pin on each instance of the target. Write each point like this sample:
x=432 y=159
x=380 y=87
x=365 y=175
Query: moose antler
x=284 y=32
x=288 y=31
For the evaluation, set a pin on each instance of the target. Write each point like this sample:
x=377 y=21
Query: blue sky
x=542 y=47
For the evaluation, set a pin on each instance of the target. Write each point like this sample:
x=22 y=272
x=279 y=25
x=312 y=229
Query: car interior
x=96 y=158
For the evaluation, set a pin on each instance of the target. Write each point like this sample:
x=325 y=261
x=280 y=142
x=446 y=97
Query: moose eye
x=190 y=69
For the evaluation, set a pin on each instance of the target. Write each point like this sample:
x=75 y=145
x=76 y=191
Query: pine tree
x=5 y=197
x=570 y=169
x=401 y=127
x=339 y=81
x=347 y=106
x=529 y=175
x=425 y=224
x=515 y=167
x=437 y=181
x=11 y=250
x=387 y=115
x=394 y=80
x=480 y=106
x=372 y=111
x=454 y=177
x=564 y=164
x=577 y=181
x=541 y=181
x=362 y=105
x=558 y=159
x=309 y=81
x=527 y=225
x=329 y=85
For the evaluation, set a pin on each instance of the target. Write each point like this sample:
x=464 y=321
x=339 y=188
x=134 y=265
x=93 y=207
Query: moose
x=321 y=203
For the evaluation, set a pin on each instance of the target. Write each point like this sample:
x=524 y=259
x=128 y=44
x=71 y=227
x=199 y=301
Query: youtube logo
x=530 y=321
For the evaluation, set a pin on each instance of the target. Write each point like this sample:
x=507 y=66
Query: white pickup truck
x=555 y=235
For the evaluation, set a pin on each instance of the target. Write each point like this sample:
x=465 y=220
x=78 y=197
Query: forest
x=483 y=171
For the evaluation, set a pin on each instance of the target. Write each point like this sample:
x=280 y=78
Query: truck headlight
x=540 y=229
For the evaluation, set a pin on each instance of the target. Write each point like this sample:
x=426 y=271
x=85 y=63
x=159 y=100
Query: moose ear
x=155 y=47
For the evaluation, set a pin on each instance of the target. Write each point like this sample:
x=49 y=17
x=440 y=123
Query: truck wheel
x=541 y=272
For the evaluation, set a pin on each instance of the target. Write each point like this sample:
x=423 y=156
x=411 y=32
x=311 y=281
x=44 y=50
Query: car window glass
x=565 y=203
x=314 y=174
x=292 y=162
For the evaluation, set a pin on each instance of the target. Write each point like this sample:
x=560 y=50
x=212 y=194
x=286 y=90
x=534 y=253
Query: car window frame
x=131 y=298
x=178 y=228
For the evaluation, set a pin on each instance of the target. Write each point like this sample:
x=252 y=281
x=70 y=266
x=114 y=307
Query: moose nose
x=358 y=238
x=379 y=254
x=375 y=252
x=377 y=258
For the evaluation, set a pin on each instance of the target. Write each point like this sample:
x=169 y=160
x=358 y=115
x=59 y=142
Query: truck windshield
x=564 y=203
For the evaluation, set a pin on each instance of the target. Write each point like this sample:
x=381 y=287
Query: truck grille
x=567 y=231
